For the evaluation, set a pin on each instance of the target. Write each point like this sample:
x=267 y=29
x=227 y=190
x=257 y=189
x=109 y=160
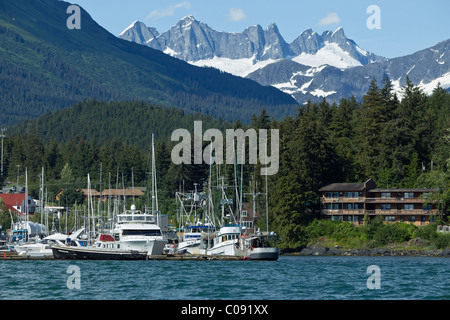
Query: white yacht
x=139 y=231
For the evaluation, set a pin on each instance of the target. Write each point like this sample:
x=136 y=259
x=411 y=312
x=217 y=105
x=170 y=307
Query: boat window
x=141 y=233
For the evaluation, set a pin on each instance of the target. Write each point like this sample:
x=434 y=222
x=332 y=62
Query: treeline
x=131 y=122
x=398 y=141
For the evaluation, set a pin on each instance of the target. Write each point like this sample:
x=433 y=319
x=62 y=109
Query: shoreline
x=317 y=250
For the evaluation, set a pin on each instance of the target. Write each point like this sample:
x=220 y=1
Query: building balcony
x=396 y=200
x=344 y=212
x=342 y=200
x=394 y=212
x=379 y=212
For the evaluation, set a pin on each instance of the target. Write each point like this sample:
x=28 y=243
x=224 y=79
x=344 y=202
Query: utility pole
x=3 y=136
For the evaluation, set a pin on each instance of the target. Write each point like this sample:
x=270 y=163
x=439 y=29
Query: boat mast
x=154 y=185
x=267 y=206
x=26 y=200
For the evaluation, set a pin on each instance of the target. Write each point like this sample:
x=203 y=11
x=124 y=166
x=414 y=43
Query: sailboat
x=135 y=235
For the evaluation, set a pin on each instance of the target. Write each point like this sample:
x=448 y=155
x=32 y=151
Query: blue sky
x=406 y=26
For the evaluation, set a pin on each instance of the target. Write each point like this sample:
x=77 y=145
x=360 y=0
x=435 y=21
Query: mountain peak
x=188 y=17
x=133 y=25
x=339 y=34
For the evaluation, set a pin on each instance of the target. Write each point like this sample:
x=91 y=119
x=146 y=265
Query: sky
x=396 y=27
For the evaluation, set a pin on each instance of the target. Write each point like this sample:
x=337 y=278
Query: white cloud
x=236 y=15
x=331 y=18
x=169 y=11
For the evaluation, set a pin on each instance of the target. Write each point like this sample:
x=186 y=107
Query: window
x=409 y=195
x=389 y=218
x=385 y=194
x=351 y=195
x=331 y=195
x=385 y=207
x=141 y=232
x=332 y=206
x=244 y=213
x=248 y=224
x=351 y=206
x=428 y=207
x=409 y=207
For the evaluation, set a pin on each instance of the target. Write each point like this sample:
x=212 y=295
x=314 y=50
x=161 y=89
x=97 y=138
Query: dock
x=8 y=255
x=196 y=257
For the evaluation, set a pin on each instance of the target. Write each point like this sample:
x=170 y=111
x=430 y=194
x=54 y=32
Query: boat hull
x=77 y=253
x=270 y=254
x=151 y=246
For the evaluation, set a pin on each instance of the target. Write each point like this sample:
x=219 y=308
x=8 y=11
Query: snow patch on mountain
x=321 y=93
x=331 y=54
x=238 y=67
x=444 y=81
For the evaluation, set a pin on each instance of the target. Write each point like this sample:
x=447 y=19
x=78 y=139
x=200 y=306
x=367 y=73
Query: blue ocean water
x=289 y=278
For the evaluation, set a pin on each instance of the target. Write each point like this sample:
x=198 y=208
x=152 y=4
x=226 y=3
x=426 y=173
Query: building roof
x=343 y=187
x=12 y=200
x=118 y=192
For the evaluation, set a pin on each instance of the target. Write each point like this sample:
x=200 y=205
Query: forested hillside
x=44 y=66
x=132 y=122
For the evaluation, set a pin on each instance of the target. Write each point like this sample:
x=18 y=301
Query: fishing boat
x=237 y=234
x=106 y=248
x=195 y=221
x=191 y=238
x=259 y=246
x=224 y=242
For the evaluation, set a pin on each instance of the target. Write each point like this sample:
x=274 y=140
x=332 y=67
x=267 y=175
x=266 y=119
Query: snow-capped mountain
x=425 y=68
x=252 y=49
x=312 y=67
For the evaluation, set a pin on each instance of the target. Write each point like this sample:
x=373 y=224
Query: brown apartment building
x=352 y=201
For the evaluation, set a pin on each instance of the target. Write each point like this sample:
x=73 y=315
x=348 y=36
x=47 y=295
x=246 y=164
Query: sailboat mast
x=154 y=185
x=267 y=207
x=26 y=200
